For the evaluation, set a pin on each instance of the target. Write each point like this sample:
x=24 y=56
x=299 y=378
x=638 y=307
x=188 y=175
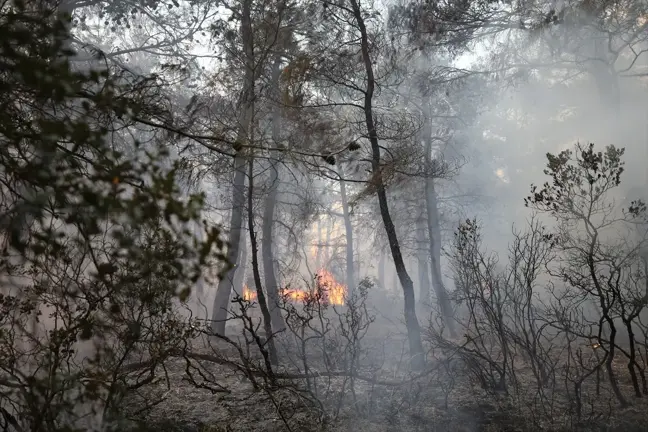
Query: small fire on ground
x=332 y=292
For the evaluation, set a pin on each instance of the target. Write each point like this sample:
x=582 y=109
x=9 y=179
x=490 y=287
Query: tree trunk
x=605 y=77
x=381 y=271
x=327 y=254
x=268 y=218
x=358 y=252
x=411 y=321
x=434 y=237
x=318 y=245
x=607 y=83
x=394 y=285
x=271 y=354
x=348 y=227
x=224 y=290
x=241 y=267
x=422 y=257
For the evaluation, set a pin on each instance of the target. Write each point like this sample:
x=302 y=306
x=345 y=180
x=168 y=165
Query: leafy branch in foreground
x=97 y=240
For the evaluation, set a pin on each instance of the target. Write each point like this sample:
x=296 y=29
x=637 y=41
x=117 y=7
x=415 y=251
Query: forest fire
x=248 y=294
x=332 y=291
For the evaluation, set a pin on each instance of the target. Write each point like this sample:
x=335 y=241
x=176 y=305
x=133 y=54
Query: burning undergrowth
x=326 y=289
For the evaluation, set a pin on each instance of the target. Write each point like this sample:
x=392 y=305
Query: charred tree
x=348 y=228
x=411 y=320
x=271 y=353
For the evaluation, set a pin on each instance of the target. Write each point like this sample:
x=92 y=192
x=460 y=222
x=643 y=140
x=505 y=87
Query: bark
x=381 y=271
x=348 y=227
x=224 y=290
x=196 y=228
x=241 y=267
x=318 y=250
x=607 y=83
x=327 y=251
x=200 y=283
x=605 y=76
x=394 y=285
x=268 y=219
x=434 y=237
x=422 y=257
x=356 y=265
x=271 y=353
x=411 y=321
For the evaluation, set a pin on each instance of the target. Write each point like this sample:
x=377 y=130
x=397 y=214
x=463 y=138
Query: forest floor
x=446 y=400
x=425 y=406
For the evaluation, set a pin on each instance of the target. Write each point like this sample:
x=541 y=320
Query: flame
x=248 y=294
x=335 y=291
x=332 y=291
x=294 y=294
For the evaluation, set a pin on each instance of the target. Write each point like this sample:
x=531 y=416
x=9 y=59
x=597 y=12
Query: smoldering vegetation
x=310 y=215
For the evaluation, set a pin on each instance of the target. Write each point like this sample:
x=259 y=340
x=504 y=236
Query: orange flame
x=248 y=294
x=333 y=292
x=294 y=294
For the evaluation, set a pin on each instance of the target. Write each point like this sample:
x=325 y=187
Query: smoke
x=548 y=108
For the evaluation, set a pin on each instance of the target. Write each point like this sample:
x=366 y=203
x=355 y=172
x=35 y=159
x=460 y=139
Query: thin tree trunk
x=348 y=227
x=261 y=299
x=422 y=257
x=185 y=191
x=327 y=254
x=605 y=76
x=381 y=270
x=357 y=260
x=434 y=237
x=411 y=321
x=318 y=246
x=241 y=267
x=224 y=290
x=394 y=285
x=268 y=218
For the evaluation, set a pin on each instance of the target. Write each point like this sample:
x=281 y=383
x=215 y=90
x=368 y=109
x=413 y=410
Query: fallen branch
x=132 y=367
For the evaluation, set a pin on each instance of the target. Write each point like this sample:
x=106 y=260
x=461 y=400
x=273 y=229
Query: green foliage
x=97 y=239
x=601 y=245
x=120 y=13
x=579 y=179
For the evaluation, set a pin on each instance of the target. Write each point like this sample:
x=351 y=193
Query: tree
x=223 y=293
x=413 y=328
x=263 y=304
x=270 y=205
x=597 y=265
x=434 y=235
x=605 y=40
x=348 y=230
x=422 y=258
x=265 y=39
x=97 y=243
